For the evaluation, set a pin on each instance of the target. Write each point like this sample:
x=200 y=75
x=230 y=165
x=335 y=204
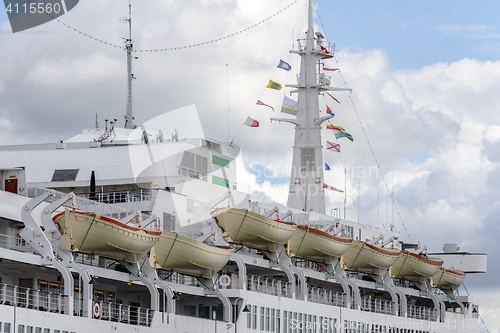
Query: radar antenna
x=129 y=47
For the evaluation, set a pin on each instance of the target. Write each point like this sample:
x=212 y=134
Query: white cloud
x=434 y=131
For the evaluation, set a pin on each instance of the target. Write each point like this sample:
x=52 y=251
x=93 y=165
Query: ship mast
x=129 y=119
x=306 y=181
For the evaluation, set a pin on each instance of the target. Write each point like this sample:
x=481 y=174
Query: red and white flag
x=259 y=102
x=251 y=122
x=328 y=187
x=324 y=49
x=333 y=146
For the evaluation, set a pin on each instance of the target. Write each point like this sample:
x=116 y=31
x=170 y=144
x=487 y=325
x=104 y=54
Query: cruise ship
x=123 y=229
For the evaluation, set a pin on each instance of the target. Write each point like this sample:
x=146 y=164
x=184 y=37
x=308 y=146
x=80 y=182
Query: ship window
x=168 y=222
x=98 y=295
x=267 y=319
x=278 y=319
x=20 y=328
x=201 y=165
x=194 y=166
x=254 y=317
x=29 y=329
x=190 y=310
x=249 y=316
x=46 y=330
x=212 y=145
x=6 y=327
x=307 y=158
x=262 y=309
x=273 y=316
x=64 y=175
x=203 y=311
x=38 y=330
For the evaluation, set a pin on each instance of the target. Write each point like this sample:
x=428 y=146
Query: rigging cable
x=178 y=47
x=368 y=141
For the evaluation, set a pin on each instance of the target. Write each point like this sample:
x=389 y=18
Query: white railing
x=324 y=296
x=121 y=196
x=326 y=46
x=33 y=299
x=122 y=313
x=269 y=286
x=87 y=205
x=58 y=303
x=178 y=278
x=421 y=312
x=377 y=305
x=15 y=244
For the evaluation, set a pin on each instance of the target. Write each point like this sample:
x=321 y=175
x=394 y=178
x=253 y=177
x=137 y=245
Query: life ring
x=224 y=280
x=97 y=310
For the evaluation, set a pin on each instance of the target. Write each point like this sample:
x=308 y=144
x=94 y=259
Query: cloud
x=469 y=30
x=427 y=137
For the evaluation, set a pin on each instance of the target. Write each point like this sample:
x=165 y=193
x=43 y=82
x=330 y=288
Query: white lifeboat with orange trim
x=313 y=244
x=253 y=230
x=104 y=236
x=369 y=258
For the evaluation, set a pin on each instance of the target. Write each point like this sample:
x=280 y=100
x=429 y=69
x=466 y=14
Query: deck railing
x=421 y=312
x=58 y=303
x=284 y=289
x=377 y=305
x=88 y=205
x=269 y=286
x=33 y=299
x=122 y=313
x=15 y=244
x=119 y=196
x=325 y=296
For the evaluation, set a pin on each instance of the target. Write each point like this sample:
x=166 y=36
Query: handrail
x=58 y=303
x=377 y=305
x=33 y=299
x=422 y=312
x=122 y=313
x=87 y=205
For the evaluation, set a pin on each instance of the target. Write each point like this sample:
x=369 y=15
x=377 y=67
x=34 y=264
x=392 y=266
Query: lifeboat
x=449 y=279
x=103 y=236
x=188 y=256
x=253 y=230
x=315 y=245
x=413 y=265
x=365 y=257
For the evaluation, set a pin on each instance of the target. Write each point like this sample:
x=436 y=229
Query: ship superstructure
x=125 y=230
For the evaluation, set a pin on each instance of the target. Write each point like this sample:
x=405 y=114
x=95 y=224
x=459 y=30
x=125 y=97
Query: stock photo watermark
x=27 y=14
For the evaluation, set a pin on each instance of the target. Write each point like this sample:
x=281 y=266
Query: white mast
x=129 y=119
x=306 y=181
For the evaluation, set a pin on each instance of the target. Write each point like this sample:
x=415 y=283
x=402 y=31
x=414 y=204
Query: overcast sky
x=423 y=111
